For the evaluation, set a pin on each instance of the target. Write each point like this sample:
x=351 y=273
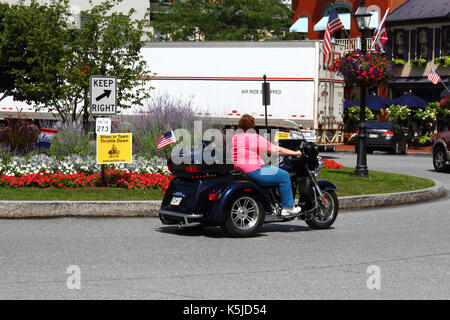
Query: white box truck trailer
x=224 y=80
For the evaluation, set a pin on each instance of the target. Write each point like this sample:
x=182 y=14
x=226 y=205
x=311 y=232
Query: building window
x=399 y=46
x=422 y=44
x=446 y=41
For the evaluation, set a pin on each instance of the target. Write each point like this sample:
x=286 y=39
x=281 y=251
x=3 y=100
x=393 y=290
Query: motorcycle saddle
x=240 y=175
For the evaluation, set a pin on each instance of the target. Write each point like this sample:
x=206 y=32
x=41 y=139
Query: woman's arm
x=283 y=151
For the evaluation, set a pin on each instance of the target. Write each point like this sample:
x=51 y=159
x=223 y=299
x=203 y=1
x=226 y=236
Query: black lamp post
x=362 y=17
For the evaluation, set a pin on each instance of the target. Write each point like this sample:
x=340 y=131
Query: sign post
x=266 y=98
x=103 y=102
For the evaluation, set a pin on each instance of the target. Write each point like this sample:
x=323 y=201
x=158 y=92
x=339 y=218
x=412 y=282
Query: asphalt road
x=127 y=258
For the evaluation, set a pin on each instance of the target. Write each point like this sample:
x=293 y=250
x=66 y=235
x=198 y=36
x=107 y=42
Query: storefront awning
x=301 y=25
x=415 y=80
x=322 y=24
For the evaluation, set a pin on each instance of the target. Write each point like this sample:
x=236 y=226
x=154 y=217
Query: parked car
x=441 y=151
x=385 y=136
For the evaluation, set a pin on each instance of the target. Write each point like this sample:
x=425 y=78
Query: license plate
x=373 y=136
x=176 y=201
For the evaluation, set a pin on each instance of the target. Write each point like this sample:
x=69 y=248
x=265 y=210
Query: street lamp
x=362 y=17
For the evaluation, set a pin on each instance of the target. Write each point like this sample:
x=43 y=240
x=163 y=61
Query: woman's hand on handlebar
x=283 y=151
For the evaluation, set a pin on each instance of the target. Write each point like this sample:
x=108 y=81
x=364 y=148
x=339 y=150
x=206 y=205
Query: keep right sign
x=103 y=92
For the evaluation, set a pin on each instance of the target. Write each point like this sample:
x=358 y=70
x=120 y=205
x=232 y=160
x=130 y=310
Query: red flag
x=334 y=24
x=380 y=36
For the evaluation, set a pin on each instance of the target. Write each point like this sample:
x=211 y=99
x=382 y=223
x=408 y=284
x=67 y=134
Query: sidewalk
x=412 y=150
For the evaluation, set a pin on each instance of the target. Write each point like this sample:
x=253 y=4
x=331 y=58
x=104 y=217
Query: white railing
x=352 y=44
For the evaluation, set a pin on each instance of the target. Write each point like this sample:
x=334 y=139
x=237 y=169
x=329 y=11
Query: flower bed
x=16 y=166
x=331 y=164
x=114 y=178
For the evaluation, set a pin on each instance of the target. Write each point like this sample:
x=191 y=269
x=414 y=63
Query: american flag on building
x=433 y=77
x=165 y=139
x=334 y=24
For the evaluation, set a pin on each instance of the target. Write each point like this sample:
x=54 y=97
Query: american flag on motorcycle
x=165 y=139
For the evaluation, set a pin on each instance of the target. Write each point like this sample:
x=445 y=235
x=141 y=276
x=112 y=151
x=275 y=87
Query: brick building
x=419 y=30
x=314 y=15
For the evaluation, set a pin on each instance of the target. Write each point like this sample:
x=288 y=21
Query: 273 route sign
x=103 y=95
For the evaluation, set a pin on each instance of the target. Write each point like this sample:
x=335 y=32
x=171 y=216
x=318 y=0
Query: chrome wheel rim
x=244 y=213
x=326 y=212
x=439 y=159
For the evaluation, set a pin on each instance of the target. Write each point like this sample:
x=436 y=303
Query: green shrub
x=396 y=112
x=442 y=61
x=71 y=139
x=418 y=63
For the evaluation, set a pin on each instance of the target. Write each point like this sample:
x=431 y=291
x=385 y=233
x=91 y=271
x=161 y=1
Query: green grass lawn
x=379 y=182
x=80 y=194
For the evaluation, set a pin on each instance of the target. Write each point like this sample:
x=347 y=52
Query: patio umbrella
x=373 y=102
x=410 y=100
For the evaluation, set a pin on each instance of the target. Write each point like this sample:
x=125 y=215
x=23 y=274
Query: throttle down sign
x=103 y=95
x=114 y=148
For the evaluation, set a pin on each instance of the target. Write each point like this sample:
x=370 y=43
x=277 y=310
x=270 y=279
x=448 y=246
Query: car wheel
x=244 y=216
x=439 y=160
x=405 y=151
x=396 y=149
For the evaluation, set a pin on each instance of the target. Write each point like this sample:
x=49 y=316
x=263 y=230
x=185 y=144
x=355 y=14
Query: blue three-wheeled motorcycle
x=222 y=196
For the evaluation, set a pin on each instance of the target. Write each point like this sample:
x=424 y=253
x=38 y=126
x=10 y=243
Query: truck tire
x=244 y=216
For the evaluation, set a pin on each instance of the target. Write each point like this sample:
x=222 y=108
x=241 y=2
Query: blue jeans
x=269 y=176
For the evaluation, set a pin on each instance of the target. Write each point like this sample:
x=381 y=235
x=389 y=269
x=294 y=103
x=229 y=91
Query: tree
x=223 y=20
x=61 y=58
x=13 y=53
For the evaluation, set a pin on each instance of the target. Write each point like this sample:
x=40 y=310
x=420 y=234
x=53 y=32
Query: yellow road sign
x=114 y=148
x=281 y=136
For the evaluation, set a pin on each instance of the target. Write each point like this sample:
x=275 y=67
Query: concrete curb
x=392 y=199
x=48 y=209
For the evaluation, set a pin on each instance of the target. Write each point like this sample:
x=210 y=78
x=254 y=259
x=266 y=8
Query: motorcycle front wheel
x=326 y=214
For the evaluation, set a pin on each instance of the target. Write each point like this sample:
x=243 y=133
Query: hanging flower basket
x=363 y=69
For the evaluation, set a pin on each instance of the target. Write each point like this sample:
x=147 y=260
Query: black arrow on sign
x=107 y=93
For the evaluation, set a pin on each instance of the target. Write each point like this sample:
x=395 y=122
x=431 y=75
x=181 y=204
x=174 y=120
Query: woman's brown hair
x=246 y=122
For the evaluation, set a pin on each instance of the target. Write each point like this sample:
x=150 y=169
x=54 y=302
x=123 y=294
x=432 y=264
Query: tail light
x=357 y=131
x=191 y=169
x=213 y=196
x=389 y=133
